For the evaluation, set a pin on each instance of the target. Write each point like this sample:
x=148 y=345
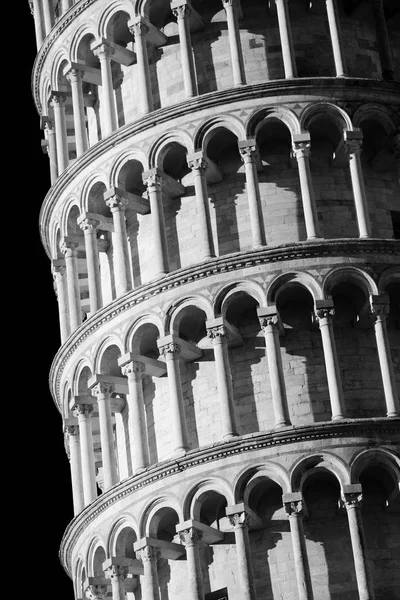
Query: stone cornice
x=358 y=90
x=241 y=260
x=376 y=431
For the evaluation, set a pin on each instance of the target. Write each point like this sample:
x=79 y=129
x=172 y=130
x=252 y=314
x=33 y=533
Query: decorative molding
x=220 y=265
x=376 y=429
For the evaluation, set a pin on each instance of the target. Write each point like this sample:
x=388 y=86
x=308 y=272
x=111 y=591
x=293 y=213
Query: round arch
x=149 y=518
x=325 y=109
x=193 y=498
x=93 y=179
x=124 y=522
x=99 y=353
x=251 y=476
x=96 y=544
x=72 y=201
x=160 y=147
x=375 y=457
x=391 y=275
x=87 y=29
x=111 y=9
x=356 y=275
x=210 y=127
x=293 y=278
x=174 y=311
x=151 y=319
x=310 y=464
x=134 y=154
x=376 y=112
x=225 y=295
x=261 y=117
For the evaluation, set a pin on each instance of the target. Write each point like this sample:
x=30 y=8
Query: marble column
x=380 y=308
x=270 y=324
x=324 y=312
x=181 y=10
x=334 y=30
x=83 y=413
x=285 y=33
x=294 y=510
x=48 y=15
x=117 y=575
x=218 y=334
x=102 y=49
x=122 y=268
x=352 y=497
x=139 y=29
x=352 y=146
x=96 y=592
x=60 y=279
x=198 y=165
x=249 y=153
x=170 y=352
x=75 y=76
x=50 y=136
x=230 y=7
x=191 y=538
x=137 y=425
x=58 y=104
x=154 y=184
x=36 y=12
x=89 y=228
x=149 y=556
x=301 y=150
x=103 y=390
x=66 y=4
x=240 y=523
x=72 y=432
x=69 y=248
x=382 y=38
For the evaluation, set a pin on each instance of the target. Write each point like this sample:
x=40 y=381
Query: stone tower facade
x=223 y=231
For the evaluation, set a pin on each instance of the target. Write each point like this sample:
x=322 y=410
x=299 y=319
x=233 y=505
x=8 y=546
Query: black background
x=40 y=466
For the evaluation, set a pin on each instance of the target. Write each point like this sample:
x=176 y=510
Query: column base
x=282 y=424
x=312 y=238
x=393 y=415
x=339 y=417
x=229 y=436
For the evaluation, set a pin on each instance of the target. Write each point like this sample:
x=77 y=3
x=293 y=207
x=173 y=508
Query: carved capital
x=249 y=153
x=301 y=149
x=154 y=181
x=74 y=75
x=96 y=592
x=58 y=273
x=132 y=368
x=181 y=12
x=57 y=99
x=139 y=28
x=240 y=519
x=87 y=224
x=294 y=508
x=198 y=163
x=68 y=245
x=84 y=410
x=229 y=3
x=116 y=202
x=352 y=500
x=71 y=430
x=48 y=127
x=103 y=51
x=324 y=313
x=148 y=553
x=116 y=572
x=379 y=309
x=268 y=322
x=103 y=388
x=218 y=333
x=170 y=349
x=190 y=537
x=352 y=146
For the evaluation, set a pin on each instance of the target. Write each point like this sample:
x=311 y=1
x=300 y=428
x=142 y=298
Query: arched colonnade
x=136 y=549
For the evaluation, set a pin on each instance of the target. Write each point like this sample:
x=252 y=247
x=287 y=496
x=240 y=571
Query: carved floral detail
x=190 y=537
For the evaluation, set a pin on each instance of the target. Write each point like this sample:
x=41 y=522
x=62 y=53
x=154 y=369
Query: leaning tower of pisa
x=222 y=226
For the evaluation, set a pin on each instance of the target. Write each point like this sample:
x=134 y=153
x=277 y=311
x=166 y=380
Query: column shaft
x=75 y=78
x=48 y=15
x=103 y=392
x=189 y=73
x=334 y=30
x=139 y=30
x=150 y=586
x=218 y=335
x=324 y=317
x=70 y=250
x=83 y=412
x=52 y=151
x=171 y=356
x=61 y=132
x=364 y=584
x=294 y=513
x=357 y=182
x=249 y=156
x=62 y=299
x=191 y=538
x=382 y=37
x=116 y=574
x=103 y=51
x=39 y=33
x=289 y=63
x=122 y=268
x=89 y=227
x=76 y=468
x=199 y=166
x=379 y=313
x=235 y=45
x=160 y=252
x=302 y=153
x=269 y=324
x=136 y=416
x=243 y=556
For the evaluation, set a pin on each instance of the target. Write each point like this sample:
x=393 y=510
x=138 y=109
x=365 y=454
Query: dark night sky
x=43 y=477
